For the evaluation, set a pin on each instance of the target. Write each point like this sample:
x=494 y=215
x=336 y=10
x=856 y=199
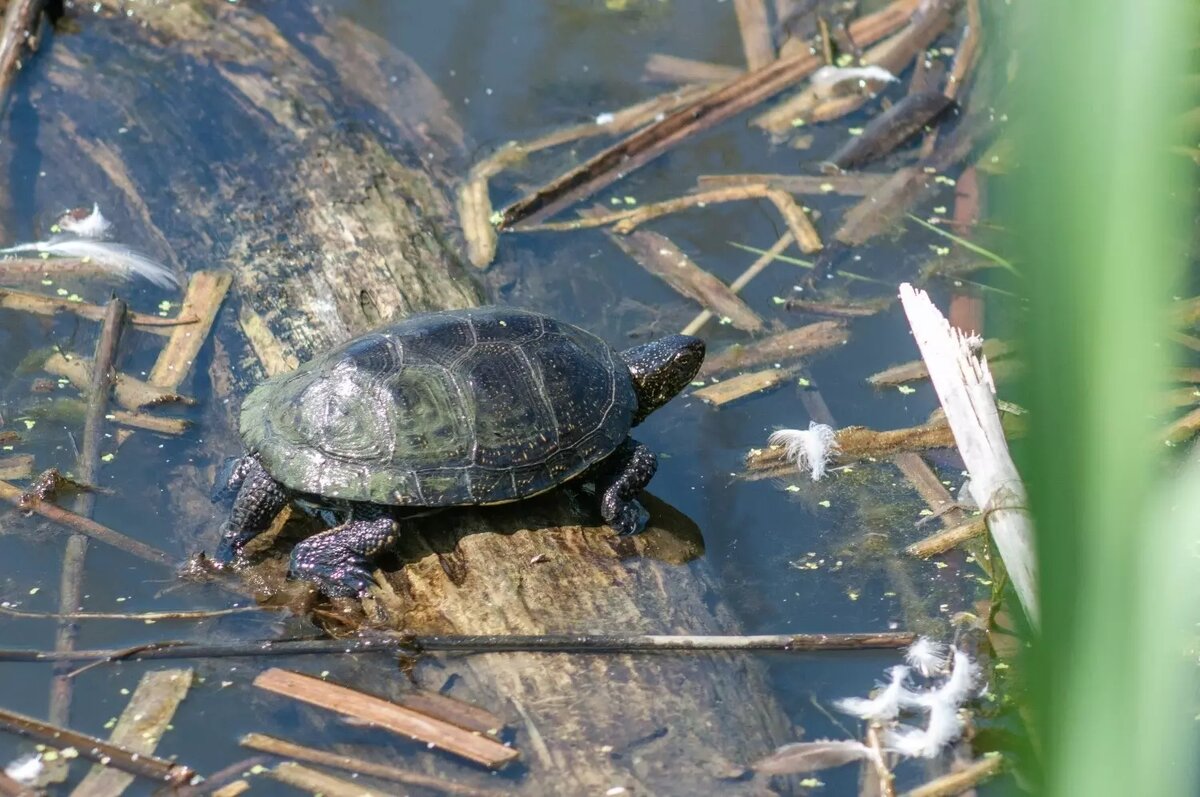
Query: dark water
x=512 y=70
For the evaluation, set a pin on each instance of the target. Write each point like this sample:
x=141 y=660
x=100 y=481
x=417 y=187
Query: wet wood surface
x=262 y=165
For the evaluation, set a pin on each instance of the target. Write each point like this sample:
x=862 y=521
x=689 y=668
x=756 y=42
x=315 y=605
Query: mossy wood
x=313 y=162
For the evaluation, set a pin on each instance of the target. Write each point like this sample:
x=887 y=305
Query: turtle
x=479 y=406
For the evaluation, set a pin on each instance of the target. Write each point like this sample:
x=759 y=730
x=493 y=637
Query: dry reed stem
x=205 y=292
x=756 y=32
x=788 y=345
x=385 y=714
x=738 y=387
x=962 y=781
x=475 y=218
x=130 y=392
x=735 y=287
x=39 y=304
x=947 y=539
x=139 y=729
x=856 y=184
x=673 y=69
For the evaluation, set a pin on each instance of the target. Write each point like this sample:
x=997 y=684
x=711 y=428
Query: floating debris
x=884 y=706
x=86 y=225
x=827 y=79
x=928 y=656
x=811 y=449
x=792 y=759
x=118 y=259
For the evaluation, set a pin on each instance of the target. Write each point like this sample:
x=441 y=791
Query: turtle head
x=662 y=368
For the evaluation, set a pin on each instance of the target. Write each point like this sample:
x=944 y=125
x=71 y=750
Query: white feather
x=117 y=258
x=927 y=656
x=944 y=727
x=93 y=225
x=811 y=449
x=26 y=769
x=885 y=705
x=953 y=692
x=825 y=79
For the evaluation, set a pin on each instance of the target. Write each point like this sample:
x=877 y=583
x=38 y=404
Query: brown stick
x=71 y=581
x=752 y=271
x=961 y=781
x=205 y=292
x=13 y=788
x=949 y=538
x=88 y=527
x=140 y=764
x=858 y=184
x=385 y=714
x=40 y=304
x=20 y=33
x=565 y=643
x=673 y=69
x=281 y=747
x=643 y=146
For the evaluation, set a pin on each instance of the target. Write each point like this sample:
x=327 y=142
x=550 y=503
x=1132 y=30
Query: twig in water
x=205 y=292
x=39 y=304
x=286 y=749
x=106 y=753
x=71 y=582
x=946 y=539
x=887 y=781
x=140 y=617
x=742 y=385
x=789 y=345
x=756 y=33
x=563 y=643
x=87 y=526
x=754 y=269
x=959 y=782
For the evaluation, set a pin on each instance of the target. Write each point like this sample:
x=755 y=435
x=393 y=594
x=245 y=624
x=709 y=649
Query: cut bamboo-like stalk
x=964 y=386
x=385 y=714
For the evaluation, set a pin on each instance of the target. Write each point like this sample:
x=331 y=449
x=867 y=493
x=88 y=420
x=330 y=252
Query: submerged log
x=313 y=162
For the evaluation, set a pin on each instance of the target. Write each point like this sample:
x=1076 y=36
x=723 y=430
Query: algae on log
x=311 y=160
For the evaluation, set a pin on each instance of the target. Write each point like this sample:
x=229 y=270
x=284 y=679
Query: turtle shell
x=474 y=406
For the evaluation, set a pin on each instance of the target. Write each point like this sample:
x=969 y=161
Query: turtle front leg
x=625 y=474
x=338 y=561
x=259 y=499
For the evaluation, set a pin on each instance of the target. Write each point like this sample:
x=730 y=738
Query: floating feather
x=811 y=449
x=118 y=258
x=944 y=727
x=885 y=705
x=26 y=770
x=927 y=656
x=93 y=225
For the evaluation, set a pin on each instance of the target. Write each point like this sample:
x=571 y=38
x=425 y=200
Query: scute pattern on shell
x=463 y=407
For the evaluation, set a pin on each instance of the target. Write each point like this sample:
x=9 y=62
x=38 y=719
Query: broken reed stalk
x=319 y=783
x=70 y=591
x=19 y=34
x=286 y=749
x=756 y=32
x=140 y=617
x=887 y=781
x=227 y=781
x=139 y=729
x=88 y=527
x=735 y=287
x=382 y=713
x=946 y=539
x=965 y=389
x=626 y=221
x=641 y=147
x=856 y=184
x=962 y=781
x=139 y=764
x=548 y=643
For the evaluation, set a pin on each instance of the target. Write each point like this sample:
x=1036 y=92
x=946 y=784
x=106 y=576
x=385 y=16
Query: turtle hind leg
x=338 y=561
x=259 y=499
x=625 y=474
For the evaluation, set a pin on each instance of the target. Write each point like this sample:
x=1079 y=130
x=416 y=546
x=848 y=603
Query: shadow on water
x=792 y=558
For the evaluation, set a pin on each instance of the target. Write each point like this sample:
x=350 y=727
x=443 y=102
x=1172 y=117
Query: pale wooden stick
x=964 y=386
